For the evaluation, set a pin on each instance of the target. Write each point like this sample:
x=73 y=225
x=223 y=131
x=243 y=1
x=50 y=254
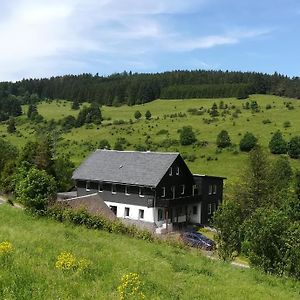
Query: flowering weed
x=130 y=287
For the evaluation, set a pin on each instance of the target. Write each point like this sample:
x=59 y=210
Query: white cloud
x=44 y=38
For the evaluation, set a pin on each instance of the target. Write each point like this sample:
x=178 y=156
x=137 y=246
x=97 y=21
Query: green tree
x=36 y=189
x=248 y=142
x=63 y=170
x=277 y=144
x=294 y=147
x=228 y=220
x=148 y=115
x=252 y=190
x=137 y=115
x=75 y=105
x=11 y=127
x=187 y=136
x=265 y=236
x=223 y=139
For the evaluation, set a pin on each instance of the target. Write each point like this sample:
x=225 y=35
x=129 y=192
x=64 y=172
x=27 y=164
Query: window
x=182 y=189
x=210 y=189
x=170 y=171
x=126 y=213
x=126 y=190
x=100 y=187
x=177 y=171
x=159 y=214
x=209 y=209
x=214 y=189
x=113 y=189
x=195 y=210
x=195 y=190
x=173 y=192
x=141 y=192
x=163 y=191
x=88 y=186
x=114 y=209
x=141 y=214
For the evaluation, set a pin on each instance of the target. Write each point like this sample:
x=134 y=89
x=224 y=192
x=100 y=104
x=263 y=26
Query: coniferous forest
x=137 y=88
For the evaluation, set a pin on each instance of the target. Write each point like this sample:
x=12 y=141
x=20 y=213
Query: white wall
x=133 y=211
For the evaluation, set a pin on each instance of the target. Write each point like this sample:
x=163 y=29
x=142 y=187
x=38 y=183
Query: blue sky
x=43 y=38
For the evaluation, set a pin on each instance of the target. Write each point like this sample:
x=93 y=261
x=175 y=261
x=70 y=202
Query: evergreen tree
x=137 y=115
x=75 y=105
x=248 y=142
x=294 y=147
x=223 y=139
x=277 y=144
x=11 y=128
x=148 y=115
x=187 y=136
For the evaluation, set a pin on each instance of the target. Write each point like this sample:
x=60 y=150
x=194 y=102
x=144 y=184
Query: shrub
x=104 y=144
x=293 y=147
x=223 y=139
x=187 y=136
x=287 y=124
x=277 y=144
x=36 y=189
x=148 y=115
x=137 y=115
x=248 y=142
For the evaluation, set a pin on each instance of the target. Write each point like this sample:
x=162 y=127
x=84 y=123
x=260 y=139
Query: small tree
x=137 y=115
x=248 y=142
x=11 y=128
x=148 y=115
x=223 y=139
x=75 y=105
x=187 y=136
x=228 y=220
x=36 y=189
x=277 y=144
x=294 y=147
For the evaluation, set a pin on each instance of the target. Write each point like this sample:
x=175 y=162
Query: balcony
x=164 y=202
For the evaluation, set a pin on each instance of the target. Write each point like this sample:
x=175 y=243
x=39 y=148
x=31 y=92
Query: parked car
x=198 y=240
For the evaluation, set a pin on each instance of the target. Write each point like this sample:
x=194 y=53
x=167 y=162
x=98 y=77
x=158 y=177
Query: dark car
x=198 y=240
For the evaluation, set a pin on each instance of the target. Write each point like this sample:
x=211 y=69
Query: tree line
x=138 y=88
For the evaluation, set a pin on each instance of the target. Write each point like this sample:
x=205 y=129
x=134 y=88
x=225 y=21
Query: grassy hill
x=166 y=272
x=207 y=159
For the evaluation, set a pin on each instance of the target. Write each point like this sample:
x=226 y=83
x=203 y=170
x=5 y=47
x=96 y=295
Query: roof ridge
x=135 y=151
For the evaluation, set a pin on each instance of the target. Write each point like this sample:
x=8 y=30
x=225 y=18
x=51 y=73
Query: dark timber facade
x=157 y=188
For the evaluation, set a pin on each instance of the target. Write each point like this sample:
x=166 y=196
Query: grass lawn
x=166 y=272
x=79 y=142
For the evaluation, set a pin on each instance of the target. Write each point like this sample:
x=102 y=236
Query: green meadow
x=166 y=272
x=203 y=159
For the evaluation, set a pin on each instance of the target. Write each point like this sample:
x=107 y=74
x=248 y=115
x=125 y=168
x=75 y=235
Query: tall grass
x=165 y=272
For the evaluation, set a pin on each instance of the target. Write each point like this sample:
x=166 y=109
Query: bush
x=277 y=144
x=148 y=115
x=248 y=142
x=104 y=144
x=36 y=189
x=287 y=124
x=137 y=115
x=293 y=147
x=223 y=139
x=187 y=136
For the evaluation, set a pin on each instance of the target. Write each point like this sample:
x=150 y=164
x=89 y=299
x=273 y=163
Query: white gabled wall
x=133 y=211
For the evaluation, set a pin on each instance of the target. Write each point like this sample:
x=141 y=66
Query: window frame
x=210 y=189
x=194 y=188
x=141 y=214
x=209 y=211
x=113 y=188
x=158 y=214
x=126 y=212
x=141 y=194
x=195 y=208
x=126 y=190
x=214 y=190
x=163 y=195
x=177 y=170
x=87 y=186
x=170 y=171
x=182 y=189
x=100 y=187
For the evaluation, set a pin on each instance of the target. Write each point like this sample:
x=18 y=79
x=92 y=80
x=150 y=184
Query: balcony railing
x=167 y=202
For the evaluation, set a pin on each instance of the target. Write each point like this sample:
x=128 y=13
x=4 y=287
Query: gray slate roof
x=127 y=167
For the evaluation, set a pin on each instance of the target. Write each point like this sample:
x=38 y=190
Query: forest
x=138 y=88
